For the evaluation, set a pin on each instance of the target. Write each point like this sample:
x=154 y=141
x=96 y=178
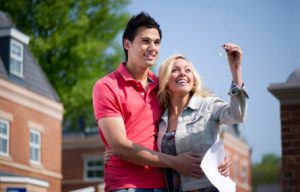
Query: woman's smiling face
x=181 y=79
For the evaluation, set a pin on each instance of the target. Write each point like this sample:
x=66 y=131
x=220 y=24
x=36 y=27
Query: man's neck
x=138 y=73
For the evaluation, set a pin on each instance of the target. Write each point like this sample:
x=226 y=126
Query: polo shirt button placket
x=141 y=90
x=143 y=95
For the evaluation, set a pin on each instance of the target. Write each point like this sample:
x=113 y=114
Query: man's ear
x=126 y=44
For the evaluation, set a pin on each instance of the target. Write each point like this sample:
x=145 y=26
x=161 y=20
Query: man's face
x=144 y=49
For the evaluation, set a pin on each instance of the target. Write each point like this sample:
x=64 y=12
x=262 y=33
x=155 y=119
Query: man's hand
x=107 y=156
x=188 y=164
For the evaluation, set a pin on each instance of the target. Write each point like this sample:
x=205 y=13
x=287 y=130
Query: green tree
x=74 y=42
x=267 y=171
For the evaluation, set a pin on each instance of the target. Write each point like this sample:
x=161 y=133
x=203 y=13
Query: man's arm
x=114 y=133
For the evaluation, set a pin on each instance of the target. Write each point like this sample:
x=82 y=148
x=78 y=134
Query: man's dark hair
x=135 y=22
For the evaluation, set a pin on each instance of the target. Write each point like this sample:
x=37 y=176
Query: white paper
x=212 y=158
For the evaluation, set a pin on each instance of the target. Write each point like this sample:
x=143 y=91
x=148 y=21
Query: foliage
x=73 y=41
x=267 y=171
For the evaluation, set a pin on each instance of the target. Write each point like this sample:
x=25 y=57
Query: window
x=35 y=146
x=244 y=174
x=235 y=169
x=4 y=137
x=16 y=58
x=93 y=168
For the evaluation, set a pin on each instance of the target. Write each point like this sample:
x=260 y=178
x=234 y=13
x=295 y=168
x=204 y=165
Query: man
x=128 y=112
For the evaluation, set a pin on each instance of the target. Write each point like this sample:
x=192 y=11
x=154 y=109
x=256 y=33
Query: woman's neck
x=178 y=103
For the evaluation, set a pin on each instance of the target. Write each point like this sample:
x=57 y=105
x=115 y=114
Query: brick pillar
x=288 y=94
x=290 y=135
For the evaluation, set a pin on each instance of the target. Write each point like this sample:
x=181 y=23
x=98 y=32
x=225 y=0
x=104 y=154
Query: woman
x=192 y=117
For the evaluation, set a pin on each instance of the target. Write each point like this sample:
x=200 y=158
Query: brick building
x=82 y=161
x=240 y=153
x=30 y=118
x=288 y=94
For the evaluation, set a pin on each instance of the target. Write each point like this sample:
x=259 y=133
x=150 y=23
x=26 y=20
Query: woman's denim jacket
x=199 y=125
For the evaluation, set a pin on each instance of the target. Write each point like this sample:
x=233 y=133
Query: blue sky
x=268 y=33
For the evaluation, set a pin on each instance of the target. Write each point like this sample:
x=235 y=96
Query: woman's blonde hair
x=164 y=95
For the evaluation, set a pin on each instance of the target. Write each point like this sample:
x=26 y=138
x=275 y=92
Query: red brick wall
x=72 y=164
x=19 y=143
x=290 y=135
x=73 y=167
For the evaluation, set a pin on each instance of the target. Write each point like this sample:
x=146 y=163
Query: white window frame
x=16 y=58
x=244 y=175
x=5 y=137
x=87 y=159
x=35 y=146
x=236 y=168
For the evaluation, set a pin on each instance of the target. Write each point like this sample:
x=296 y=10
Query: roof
x=35 y=79
x=287 y=92
x=5 y=19
x=294 y=76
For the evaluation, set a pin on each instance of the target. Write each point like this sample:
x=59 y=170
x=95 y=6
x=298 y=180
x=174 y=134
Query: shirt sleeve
x=236 y=90
x=235 y=111
x=105 y=101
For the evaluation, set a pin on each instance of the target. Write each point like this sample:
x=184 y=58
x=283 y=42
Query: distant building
x=82 y=161
x=288 y=94
x=240 y=153
x=30 y=118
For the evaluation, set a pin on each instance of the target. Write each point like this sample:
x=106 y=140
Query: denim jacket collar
x=194 y=104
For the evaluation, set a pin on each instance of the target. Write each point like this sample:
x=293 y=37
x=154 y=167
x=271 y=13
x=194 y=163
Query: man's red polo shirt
x=119 y=95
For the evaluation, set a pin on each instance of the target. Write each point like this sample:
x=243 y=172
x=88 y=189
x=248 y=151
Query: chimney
x=288 y=94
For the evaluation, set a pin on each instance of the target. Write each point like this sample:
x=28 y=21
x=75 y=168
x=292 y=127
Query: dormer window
x=12 y=50
x=16 y=58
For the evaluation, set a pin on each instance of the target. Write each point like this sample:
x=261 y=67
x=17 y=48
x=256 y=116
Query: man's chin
x=150 y=64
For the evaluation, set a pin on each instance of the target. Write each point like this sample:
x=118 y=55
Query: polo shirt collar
x=127 y=76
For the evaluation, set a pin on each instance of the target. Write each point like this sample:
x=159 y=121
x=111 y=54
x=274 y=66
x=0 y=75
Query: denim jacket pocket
x=197 y=125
